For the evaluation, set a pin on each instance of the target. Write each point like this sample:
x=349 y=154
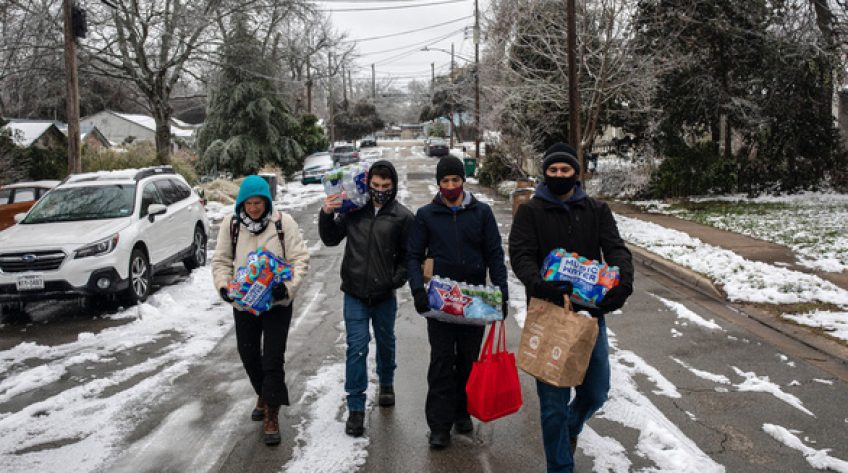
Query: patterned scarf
x=254 y=226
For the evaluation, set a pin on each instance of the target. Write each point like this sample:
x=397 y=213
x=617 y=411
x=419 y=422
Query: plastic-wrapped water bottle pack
x=458 y=302
x=251 y=287
x=591 y=279
x=351 y=182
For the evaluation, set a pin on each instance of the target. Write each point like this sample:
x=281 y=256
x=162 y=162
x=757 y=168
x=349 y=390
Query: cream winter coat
x=224 y=264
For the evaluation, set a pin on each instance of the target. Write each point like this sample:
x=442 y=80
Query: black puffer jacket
x=582 y=225
x=374 y=263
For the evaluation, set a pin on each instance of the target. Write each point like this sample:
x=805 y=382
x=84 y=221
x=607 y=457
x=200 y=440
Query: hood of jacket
x=253 y=186
x=545 y=194
x=388 y=165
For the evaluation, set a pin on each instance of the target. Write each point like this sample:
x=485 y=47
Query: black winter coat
x=582 y=225
x=463 y=244
x=374 y=263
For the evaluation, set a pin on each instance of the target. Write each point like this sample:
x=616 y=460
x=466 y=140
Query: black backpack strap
x=280 y=234
x=234 y=233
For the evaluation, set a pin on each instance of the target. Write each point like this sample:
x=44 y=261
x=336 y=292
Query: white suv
x=102 y=234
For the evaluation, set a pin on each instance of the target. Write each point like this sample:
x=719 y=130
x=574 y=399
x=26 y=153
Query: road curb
x=696 y=281
x=705 y=286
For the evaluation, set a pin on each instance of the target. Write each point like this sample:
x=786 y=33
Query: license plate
x=30 y=282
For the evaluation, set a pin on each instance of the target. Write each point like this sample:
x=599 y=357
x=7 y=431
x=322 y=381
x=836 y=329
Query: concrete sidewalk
x=744 y=246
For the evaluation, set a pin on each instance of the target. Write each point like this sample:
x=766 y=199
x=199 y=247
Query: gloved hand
x=421 y=303
x=505 y=309
x=616 y=298
x=224 y=295
x=552 y=291
x=279 y=292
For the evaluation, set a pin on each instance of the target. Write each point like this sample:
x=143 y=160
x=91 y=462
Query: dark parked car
x=345 y=154
x=436 y=147
x=367 y=143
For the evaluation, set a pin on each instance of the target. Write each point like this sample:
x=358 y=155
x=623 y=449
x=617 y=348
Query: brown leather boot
x=271 y=426
x=258 y=413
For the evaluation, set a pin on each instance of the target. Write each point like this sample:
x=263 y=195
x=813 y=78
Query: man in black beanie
x=561 y=215
x=461 y=235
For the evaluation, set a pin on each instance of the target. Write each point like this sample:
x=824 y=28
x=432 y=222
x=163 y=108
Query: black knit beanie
x=561 y=153
x=449 y=166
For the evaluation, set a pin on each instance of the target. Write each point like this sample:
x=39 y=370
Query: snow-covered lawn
x=814 y=225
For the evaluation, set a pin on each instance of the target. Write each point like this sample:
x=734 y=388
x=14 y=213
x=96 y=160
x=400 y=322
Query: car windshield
x=343 y=149
x=318 y=161
x=83 y=203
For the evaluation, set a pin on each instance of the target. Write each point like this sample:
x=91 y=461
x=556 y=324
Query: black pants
x=262 y=347
x=453 y=349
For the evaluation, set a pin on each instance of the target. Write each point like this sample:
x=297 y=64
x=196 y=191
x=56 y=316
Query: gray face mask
x=380 y=197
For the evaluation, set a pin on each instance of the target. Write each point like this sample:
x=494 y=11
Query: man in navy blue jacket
x=461 y=235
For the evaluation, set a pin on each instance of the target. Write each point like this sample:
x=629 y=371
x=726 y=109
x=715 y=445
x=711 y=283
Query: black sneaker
x=464 y=426
x=354 y=425
x=439 y=440
x=387 y=396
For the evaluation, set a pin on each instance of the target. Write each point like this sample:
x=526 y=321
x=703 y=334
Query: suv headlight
x=102 y=247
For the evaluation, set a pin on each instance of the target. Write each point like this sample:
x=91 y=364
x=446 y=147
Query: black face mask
x=380 y=197
x=561 y=185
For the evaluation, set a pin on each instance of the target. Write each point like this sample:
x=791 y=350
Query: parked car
x=19 y=197
x=367 y=143
x=315 y=166
x=437 y=147
x=103 y=234
x=345 y=154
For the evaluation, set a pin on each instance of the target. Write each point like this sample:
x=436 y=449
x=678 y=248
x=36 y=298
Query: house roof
x=178 y=127
x=26 y=132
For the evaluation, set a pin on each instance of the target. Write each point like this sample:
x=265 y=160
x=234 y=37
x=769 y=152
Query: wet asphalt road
x=203 y=422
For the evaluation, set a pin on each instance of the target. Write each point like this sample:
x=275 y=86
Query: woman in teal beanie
x=261 y=339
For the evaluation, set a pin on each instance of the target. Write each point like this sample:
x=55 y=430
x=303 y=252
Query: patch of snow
x=716 y=378
x=754 y=383
x=684 y=313
x=818 y=459
x=834 y=324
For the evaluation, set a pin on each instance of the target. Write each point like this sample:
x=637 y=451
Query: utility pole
x=308 y=86
x=332 y=99
x=477 y=81
x=573 y=91
x=344 y=87
x=450 y=98
x=432 y=80
x=71 y=91
x=350 y=85
x=373 y=84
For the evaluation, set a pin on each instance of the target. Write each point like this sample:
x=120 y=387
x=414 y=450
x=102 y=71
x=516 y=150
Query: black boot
x=387 y=396
x=355 y=424
x=464 y=425
x=439 y=440
x=271 y=427
x=258 y=413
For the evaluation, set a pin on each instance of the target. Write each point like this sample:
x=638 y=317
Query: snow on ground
x=834 y=324
x=763 y=384
x=48 y=436
x=684 y=313
x=814 y=225
x=818 y=459
x=716 y=378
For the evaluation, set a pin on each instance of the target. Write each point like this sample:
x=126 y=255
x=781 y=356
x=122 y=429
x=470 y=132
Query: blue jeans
x=561 y=420
x=356 y=316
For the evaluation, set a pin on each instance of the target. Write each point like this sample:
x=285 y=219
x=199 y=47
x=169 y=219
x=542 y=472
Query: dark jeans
x=356 y=316
x=261 y=343
x=453 y=349
x=561 y=420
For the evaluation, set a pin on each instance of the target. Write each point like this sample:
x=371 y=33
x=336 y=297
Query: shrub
x=694 y=170
x=139 y=155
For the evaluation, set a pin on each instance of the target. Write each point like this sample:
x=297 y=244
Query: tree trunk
x=162 y=114
x=824 y=20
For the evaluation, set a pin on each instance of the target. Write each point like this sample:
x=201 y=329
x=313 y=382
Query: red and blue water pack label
x=251 y=287
x=591 y=279
x=457 y=302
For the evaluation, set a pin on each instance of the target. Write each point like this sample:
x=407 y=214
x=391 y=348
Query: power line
x=407 y=46
x=403 y=54
x=406 y=32
x=399 y=7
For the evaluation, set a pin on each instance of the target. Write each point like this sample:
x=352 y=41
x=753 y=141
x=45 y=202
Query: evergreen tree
x=248 y=125
x=356 y=121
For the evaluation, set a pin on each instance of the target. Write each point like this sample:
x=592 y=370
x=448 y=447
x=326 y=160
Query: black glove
x=552 y=291
x=505 y=309
x=616 y=298
x=421 y=303
x=224 y=295
x=279 y=292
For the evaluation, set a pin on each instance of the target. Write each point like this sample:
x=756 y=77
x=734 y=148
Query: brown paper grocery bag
x=556 y=343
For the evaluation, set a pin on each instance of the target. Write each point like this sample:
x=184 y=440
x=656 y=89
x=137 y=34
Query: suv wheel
x=198 y=250
x=139 y=279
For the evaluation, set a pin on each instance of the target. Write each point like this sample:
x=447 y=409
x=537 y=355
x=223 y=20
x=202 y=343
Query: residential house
x=122 y=128
x=43 y=134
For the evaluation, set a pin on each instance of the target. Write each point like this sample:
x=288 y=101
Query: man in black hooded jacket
x=561 y=215
x=374 y=265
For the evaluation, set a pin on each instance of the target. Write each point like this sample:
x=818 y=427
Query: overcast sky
x=401 y=56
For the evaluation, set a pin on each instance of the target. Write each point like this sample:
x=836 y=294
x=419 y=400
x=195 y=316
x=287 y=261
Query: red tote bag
x=493 y=389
